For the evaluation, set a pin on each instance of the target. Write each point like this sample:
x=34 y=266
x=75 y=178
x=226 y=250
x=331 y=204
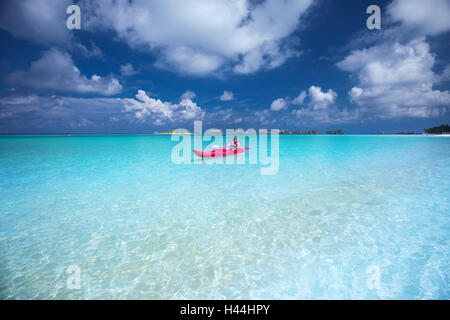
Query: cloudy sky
x=143 y=66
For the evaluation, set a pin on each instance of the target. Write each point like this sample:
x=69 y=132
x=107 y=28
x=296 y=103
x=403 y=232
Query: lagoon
x=340 y=211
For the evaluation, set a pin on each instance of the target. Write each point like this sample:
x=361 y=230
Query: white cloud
x=300 y=98
x=11 y=106
x=197 y=37
x=89 y=52
x=4 y=115
x=188 y=60
x=227 y=96
x=188 y=95
x=320 y=107
x=218 y=114
x=39 y=21
x=20 y=100
x=81 y=123
x=320 y=99
x=44 y=22
x=127 y=70
x=331 y=115
x=200 y=37
x=445 y=76
x=396 y=80
x=55 y=71
x=66 y=113
x=262 y=116
x=189 y=109
x=32 y=112
x=391 y=63
x=429 y=17
x=278 y=104
x=160 y=112
x=97 y=114
x=268 y=55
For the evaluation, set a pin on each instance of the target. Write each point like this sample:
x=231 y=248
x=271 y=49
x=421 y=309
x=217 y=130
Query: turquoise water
x=140 y=227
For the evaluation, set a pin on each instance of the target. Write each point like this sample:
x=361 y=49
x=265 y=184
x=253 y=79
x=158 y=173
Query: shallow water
x=138 y=226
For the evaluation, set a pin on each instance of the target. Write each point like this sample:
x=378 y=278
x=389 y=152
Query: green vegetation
x=439 y=130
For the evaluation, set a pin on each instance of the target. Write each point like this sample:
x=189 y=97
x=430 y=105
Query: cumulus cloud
x=39 y=21
x=64 y=105
x=227 y=96
x=44 y=22
x=332 y=115
x=188 y=95
x=262 y=116
x=198 y=37
x=55 y=71
x=188 y=60
x=395 y=74
x=4 y=115
x=396 y=80
x=81 y=123
x=127 y=70
x=19 y=100
x=224 y=117
x=300 y=98
x=145 y=107
x=12 y=106
x=218 y=115
x=268 y=55
x=320 y=107
x=429 y=17
x=32 y=113
x=201 y=37
x=319 y=99
x=317 y=106
x=278 y=104
x=445 y=76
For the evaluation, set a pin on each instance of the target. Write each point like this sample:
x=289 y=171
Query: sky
x=145 y=66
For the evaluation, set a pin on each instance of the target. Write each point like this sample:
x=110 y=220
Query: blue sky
x=145 y=66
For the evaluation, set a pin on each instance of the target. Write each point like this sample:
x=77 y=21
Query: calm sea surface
x=347 y=217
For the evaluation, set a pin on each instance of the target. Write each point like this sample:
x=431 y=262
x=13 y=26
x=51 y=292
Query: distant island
x=312 y=132
x=398 y=132
x=442 y=129
x=261 y=131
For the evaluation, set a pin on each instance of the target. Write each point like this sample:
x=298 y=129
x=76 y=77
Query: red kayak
x=218 y=153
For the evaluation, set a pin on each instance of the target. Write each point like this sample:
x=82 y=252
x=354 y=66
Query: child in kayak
x=234 y=145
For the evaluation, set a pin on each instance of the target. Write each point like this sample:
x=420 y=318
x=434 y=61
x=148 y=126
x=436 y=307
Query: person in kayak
x=234 y=145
